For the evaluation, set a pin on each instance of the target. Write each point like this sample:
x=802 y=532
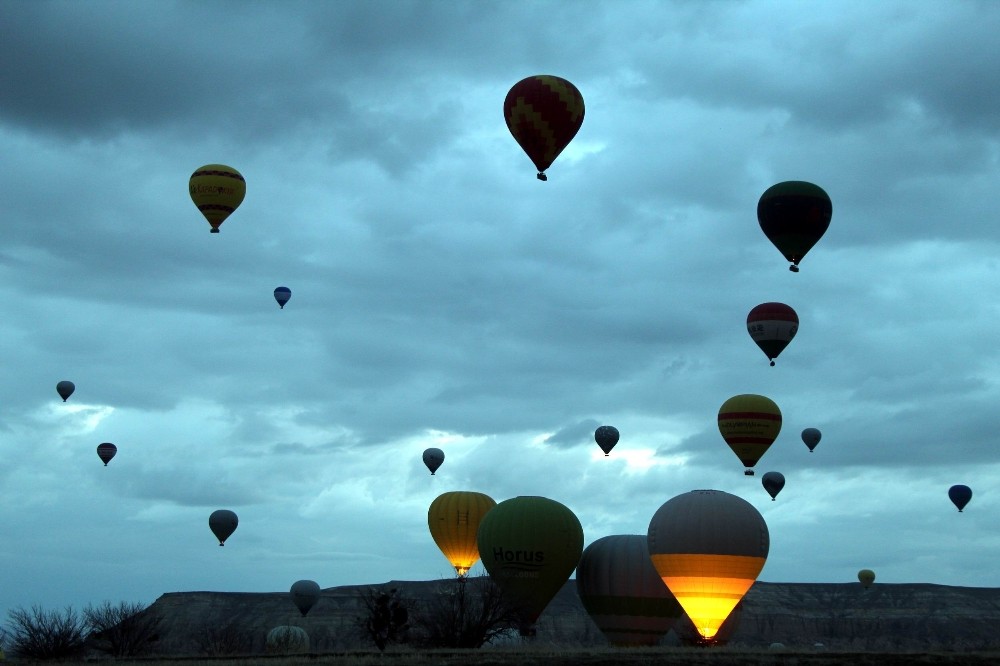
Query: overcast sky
x=443 y=296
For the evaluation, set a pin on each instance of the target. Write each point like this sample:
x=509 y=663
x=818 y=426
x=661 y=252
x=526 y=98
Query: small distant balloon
x=106 y=452
x=65 y=389
x=606 y=438
x=305 y=594
x=772 y=326
x=223 y=523
x=866 y=577
x=282 y=294
x=217 y=190
x=543 y=114
x=811 y=437
x=433 y=458
x=960 y=496
x=794 y=215
x=773 y=482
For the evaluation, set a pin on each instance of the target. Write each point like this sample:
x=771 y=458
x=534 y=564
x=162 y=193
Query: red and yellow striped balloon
x=749 y=423
x=543 y=113
x=217 y=190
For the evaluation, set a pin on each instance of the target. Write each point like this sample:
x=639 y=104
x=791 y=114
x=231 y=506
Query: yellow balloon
x=749 y=423
x=217 y=190
x=866 y=577
x=453 y=519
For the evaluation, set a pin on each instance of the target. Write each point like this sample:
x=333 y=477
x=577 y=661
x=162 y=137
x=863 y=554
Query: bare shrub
x=225 y=640
x=124 y=630
x=385 y=619
x=465 y=613
x=41 y=634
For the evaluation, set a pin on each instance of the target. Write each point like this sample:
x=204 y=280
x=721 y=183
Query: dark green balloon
x=794 y=215
x=530 y=547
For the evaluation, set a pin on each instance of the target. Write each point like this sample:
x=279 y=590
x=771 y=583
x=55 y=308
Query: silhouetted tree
x=385 y=619
x=225 y=640
x=465 y=613
x=124 y=630
x=41 y=634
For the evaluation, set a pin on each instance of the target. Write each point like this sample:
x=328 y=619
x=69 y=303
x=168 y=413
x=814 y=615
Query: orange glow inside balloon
x=708 y=587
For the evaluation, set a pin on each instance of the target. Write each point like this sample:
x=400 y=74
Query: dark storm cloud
x=573 y=435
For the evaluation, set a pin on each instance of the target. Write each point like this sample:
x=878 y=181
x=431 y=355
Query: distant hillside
x=886 y=617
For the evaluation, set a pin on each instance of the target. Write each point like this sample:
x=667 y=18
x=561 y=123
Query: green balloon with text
x=530 y=547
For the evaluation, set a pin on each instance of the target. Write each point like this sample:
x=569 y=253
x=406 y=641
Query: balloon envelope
x=217 y=190
x=282 y=294
x=65 y=389
x=305 y=594
x=530 y=546
x=773 y=482
x=223 y=523
x=772 y=326
x=623 y=593
x=749 y=423
x=794 y=215
x=106 y=452
x=960 y=496
x=688 y=635
x=543 y=113
x=866 y=577
x=606 y=438
x=811 y=437
x=708 y=547
x=453 y=519
x=433 y=459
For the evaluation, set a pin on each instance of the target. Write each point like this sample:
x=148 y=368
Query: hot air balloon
x=811 y=437
x=688 y=635
x=65 y=389
x=772 y=326
x=305 y=594
x=106 y=452
x=749 y=423
x=867 y=577
x=217 y=190
x=960 y=496
x=606 y=438
x=453 y=519
x=708 y=547
x=223 y=523
x=543 y=113
x=773 y=482
x=433 y=459
x=285 y=639
x=622 y=591
x=794 y=215
x=282 y=294
x=530 y=546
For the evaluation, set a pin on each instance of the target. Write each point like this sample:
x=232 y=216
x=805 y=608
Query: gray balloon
x=305 y=594
x=773 y=482
x=811 y=437
x=223 y=523
x=433 y=459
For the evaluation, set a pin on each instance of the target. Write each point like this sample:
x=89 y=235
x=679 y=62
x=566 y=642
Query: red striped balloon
x=772 y=326
x=106 y=452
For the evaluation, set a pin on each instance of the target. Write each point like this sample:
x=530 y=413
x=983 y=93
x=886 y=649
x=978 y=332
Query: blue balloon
x=960 y=496
x=282 y=294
